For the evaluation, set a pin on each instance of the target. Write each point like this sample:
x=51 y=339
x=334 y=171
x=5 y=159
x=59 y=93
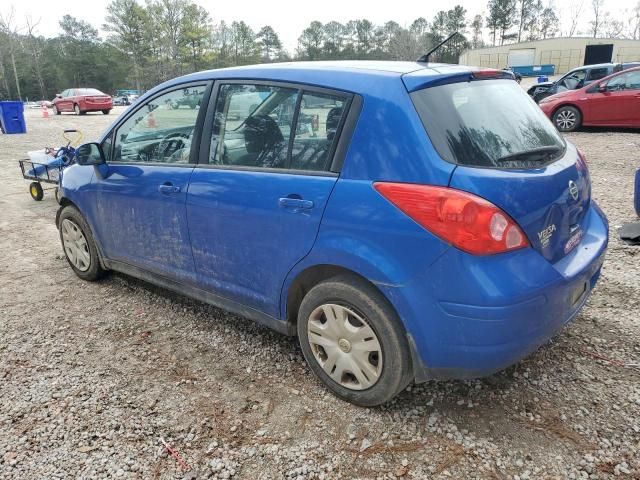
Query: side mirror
x=90 y=154
x=58 y=95
x=602 y=87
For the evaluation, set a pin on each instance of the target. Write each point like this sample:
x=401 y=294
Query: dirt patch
x=94 y=374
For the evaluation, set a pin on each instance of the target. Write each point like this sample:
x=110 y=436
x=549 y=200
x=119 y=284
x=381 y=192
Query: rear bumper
x=472 y=316
x=96 y=107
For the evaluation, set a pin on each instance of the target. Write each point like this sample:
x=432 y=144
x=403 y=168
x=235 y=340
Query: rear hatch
x=508 y=152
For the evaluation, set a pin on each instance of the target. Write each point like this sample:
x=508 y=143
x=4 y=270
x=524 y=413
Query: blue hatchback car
x=406 y=221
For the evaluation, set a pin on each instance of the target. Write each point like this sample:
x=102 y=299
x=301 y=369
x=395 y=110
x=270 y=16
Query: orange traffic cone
x=45 y=111
x=151 y=122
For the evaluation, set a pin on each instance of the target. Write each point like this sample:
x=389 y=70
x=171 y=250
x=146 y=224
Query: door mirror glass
x=90 y=154
x=602 y=87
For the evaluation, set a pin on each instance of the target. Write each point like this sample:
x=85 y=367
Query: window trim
x=197 y=131
x=339 y=147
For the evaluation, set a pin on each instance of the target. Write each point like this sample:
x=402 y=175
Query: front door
x=255 y=207
x=141 y=192
x=619 y=104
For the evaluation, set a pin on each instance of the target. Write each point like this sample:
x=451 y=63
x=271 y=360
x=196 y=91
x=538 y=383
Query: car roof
x=350 y=75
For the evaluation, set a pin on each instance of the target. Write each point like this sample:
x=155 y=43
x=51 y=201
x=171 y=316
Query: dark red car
x=81 y=101
x=613 y=101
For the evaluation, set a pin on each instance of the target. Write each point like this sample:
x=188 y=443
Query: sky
x=290 y=17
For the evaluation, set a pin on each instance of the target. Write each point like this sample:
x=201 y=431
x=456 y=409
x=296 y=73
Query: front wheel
x=353 y=341
x=78 y=244
x=106 y=112
x=55 y=110
x=567 y=119
x=76 y=109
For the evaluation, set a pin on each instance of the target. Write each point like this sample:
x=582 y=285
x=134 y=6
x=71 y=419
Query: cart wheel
x=56 y=193
x=35 y=189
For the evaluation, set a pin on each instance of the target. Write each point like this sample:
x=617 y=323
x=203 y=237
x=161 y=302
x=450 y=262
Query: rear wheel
x=35 y=189
x=353 y=341
x=78 y=245
x=567 y=119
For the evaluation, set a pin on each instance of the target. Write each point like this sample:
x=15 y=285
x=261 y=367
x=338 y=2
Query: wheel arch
x=311 y=276
x=66 y=202
x=568 y=104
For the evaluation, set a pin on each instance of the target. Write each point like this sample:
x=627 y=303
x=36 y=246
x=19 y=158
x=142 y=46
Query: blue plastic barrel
x=12 y=117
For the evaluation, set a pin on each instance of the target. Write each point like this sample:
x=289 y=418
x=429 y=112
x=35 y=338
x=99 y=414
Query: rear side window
x=318 y=123
x=487 y=123
x=266 y=126
x=598 y=73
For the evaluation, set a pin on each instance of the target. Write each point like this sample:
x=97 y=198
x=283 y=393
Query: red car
x=613 y=101
x=81 y=101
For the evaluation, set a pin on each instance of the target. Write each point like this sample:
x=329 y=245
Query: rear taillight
x=466 y=221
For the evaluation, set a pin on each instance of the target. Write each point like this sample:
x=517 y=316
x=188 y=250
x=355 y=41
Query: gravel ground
x=93 y=375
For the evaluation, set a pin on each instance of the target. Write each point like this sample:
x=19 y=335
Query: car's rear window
x=487 y=123
x=89 y=91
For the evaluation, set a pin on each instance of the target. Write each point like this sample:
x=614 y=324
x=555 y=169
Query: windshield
x=487 y=123
x=89 y=91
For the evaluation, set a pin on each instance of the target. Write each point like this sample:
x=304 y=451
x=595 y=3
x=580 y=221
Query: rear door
x=142 y=191
x=256 y=199
x=509 y=153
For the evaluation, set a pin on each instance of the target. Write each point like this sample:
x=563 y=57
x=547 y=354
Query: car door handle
x=295 y=203
x=168 y=188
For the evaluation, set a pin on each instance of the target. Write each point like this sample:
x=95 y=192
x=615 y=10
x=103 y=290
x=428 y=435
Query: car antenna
x=425 y=58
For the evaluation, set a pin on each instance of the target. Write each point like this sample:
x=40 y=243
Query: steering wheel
x=171 y=143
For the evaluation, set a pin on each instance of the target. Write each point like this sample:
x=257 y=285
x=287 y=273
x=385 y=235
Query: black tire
x=95 y=270
x=106 y=112
x=35 y=189
x=360 y=296
x=56 y=194
x=56 y=111
x=567 y=118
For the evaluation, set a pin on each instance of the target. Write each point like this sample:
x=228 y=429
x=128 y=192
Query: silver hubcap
x=75 y=245
x=345 y=346
x=566 y=119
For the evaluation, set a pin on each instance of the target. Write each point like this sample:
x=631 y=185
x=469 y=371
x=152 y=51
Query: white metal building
x=563 y=52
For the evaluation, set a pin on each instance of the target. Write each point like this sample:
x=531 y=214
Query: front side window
x=624 y=81
x=161 y=130
x=254 y=126
x=572 y=81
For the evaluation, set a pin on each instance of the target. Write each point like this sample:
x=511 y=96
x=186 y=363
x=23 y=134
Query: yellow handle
x=74 y=141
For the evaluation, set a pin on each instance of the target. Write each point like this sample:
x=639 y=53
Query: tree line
x=145 y=44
